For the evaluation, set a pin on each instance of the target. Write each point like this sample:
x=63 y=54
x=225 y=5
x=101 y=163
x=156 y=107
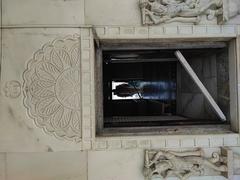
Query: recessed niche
x=144 y=87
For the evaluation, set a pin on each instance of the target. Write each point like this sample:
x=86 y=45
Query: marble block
x=115 y=165
x=112 y=12
x=18 y=132
x=44 y=12
x=47 y=166
x=2 y=166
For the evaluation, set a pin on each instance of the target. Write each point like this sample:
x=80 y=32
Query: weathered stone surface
x=52 y=88
x=113 y=159
x=115 y=165
x=112 y=12
x=3 y=166
x=47 y=166
x=18 y=132
x=44 y=12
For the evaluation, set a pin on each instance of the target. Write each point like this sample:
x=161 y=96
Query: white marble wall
x=118 y=165
x=26 y=152
x=112 y=12
x=92 y=165
x=43 y=166
x=124 y=13
x=18 y=133
x=42 y=13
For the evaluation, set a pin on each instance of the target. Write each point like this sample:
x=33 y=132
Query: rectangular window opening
x=149 y=87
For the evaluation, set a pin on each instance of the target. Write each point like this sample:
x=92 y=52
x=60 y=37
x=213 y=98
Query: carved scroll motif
x=52 y=84
x=182 y=164
x=187 y=11
x=12 y=89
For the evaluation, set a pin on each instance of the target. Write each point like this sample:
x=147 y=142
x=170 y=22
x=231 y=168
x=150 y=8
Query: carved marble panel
x=54 y=80
x=184 y=164
x=187 y=11
x=12 y=89
x=52 y=88
x=128 y=164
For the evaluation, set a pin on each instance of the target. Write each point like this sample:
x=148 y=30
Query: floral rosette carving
x=52 y=88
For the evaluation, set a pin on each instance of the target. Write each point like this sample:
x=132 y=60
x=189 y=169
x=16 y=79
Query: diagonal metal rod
x=195 y=78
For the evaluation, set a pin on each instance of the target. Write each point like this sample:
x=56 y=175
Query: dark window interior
x=144 y=88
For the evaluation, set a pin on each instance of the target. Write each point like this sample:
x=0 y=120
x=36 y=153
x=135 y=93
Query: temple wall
x=27 y=151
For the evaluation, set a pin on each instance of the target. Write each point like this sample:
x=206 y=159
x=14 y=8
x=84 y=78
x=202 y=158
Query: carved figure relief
x=181 y=164
x=185 y=11
x=231 y=8
x=52 y=84
x=12 y=89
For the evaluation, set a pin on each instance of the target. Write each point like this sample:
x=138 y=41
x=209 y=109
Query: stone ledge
x=167 y=31
x=156 y=142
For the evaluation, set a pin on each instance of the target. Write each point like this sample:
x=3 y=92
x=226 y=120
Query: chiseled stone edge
x=156 y=142
x=166 y=31
x=88 y=91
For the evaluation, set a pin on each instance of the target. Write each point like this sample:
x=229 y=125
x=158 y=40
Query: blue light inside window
x=157 y=90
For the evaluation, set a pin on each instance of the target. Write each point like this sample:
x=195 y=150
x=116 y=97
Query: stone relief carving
x=231 y=8
x=186 y=11
x=182 y=164
x=52 y=86
x=12 y=89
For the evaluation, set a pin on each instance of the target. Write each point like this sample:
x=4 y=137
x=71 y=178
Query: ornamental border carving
x=156 y=12
x=184 y=164
x=166 y=31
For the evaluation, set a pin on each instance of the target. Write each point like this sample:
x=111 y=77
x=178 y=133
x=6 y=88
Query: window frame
x=234 y=98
